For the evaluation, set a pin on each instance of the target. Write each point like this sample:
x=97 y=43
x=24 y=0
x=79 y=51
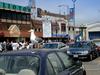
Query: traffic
x=53 y=58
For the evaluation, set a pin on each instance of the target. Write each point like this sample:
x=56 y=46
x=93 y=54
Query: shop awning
x=61 y=35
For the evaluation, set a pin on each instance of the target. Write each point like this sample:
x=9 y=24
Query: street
x=92 y=67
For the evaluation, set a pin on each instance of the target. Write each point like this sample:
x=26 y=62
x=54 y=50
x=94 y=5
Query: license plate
x=75 y=56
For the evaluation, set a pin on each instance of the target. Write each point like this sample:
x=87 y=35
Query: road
x=92 y=67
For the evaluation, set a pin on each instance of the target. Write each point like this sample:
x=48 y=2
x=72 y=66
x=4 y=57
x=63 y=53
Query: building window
x=24 y=9
x=39 y=29
x=14 y=7
x=9 y=6
x=28 y=17
x=35 y=30
x=69 y=28
x=63 y=27
x=3 y=5
x=73 y=29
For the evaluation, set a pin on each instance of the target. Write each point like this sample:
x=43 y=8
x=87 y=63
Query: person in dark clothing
x=9 y=47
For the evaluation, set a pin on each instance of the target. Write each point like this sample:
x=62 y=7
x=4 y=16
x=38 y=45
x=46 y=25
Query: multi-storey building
x=15 y=22
x=54 y=26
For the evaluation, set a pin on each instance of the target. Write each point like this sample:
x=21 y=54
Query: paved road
x=92 y=67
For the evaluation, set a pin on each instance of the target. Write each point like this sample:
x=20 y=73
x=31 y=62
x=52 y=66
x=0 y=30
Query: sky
x=86 y=11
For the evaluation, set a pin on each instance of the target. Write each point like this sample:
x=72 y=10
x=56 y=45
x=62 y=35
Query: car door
x=54 y=65
x=70 y=66
x=60 y=64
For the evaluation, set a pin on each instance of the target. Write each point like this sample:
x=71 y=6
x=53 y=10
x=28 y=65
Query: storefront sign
x=14 y=7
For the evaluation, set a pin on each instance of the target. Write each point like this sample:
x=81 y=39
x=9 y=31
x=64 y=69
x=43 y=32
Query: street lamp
x=74 y=15
x=74 y=11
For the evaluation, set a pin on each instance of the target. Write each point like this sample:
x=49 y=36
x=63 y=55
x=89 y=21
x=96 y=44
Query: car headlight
x=85 y=52
x=68 y=52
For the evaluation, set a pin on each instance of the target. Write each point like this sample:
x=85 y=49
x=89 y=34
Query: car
x=39 y=62
x=83 y=50
x=97 y=42
x=55 y=45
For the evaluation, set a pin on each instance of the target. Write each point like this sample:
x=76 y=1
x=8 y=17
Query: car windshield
x=52 y=46
x=79 y=45
x=97 y=43
x=14 y=64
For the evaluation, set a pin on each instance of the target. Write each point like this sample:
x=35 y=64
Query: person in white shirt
x=15 y=45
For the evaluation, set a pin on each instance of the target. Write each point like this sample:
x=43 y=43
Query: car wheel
x=84 y=72
x=90 y=57
x=97 y=54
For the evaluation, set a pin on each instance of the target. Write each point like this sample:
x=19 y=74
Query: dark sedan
x=82 y=50
x=39 y=62
x=97 y=42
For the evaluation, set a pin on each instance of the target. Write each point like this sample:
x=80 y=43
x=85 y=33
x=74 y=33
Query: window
x=73 y=29
x=66 y=60
x=63 y=27
x=35 y=30
x=0 y=14
x=50 y=70
x=39 y=30
x=69 y=28
x=14 y=7
x=56 y=63
x=13 y=64
x=28 y=17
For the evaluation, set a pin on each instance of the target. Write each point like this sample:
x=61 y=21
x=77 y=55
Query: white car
x=55 y=45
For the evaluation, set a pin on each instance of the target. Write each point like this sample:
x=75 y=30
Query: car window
x=67 y=61
x=62 y=45
x=50 y=70
x=50 y=46
x=4 y=62
x=56 y=63
x=97 y=43
x=17 y=63
x=79 y=45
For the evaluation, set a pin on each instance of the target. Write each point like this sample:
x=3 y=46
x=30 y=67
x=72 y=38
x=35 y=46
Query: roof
x=84 y=41
x=30 y=52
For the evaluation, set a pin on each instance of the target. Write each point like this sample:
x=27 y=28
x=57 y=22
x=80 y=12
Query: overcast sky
x=87 y=11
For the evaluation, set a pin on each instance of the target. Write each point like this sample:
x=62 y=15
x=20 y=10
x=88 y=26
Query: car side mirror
x=26 y=72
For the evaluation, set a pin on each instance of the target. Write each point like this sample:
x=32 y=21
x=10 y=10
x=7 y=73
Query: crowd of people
x=13 y=45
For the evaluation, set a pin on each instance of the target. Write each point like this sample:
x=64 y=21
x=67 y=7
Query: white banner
x=47 y=28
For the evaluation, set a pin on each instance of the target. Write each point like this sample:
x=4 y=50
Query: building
x=15 y=22
x=55 y=26
x=93 y=31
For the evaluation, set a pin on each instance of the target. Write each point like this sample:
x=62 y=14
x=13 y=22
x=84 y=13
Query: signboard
x=14 y=31
x=47 y=28
x=14 y=7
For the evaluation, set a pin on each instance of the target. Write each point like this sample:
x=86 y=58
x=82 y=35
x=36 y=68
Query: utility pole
x=74 y=15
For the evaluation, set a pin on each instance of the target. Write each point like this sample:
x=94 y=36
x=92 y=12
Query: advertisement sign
x=46 y=28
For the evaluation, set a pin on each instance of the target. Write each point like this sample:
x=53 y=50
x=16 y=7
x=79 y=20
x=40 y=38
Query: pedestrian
x=0 y=47
x=9 y=46
x=15 y=45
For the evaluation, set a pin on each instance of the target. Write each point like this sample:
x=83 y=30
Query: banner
x=71 y=14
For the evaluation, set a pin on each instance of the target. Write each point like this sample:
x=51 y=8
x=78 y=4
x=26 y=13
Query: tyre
x=84 y=72
x=90 y=57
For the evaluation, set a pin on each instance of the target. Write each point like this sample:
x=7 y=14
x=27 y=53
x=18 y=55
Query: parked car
x=55 y=45
x=97 y=42
x=83 y=50
x=39 y=62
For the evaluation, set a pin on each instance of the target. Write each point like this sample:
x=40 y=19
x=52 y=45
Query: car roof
x=53 y=42
x=30 y=52
x=84 y=41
